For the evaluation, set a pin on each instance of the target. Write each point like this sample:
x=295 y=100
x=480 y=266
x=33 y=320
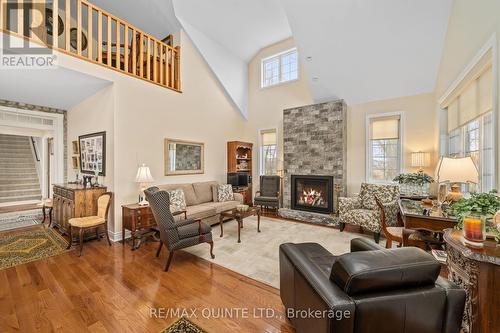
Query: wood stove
x=312 y=193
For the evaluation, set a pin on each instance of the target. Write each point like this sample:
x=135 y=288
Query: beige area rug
x=257 y=254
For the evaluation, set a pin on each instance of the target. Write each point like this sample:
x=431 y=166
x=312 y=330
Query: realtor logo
x=23 y=43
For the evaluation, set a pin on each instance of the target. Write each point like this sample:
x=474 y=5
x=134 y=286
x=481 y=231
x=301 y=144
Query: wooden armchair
x=269 y=193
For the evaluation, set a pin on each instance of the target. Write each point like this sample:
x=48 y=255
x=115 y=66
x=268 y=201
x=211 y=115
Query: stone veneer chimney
x=315 y=143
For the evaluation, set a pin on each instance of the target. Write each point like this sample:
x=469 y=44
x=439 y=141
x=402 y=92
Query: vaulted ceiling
x=358 y=50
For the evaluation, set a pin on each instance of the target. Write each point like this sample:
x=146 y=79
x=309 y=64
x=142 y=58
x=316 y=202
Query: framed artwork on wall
x=184 y=157
x=93 y=153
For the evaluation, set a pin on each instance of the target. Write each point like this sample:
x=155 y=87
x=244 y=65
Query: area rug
x=25 y=246
x=14 y=220
x=183 y=325
x=257 y=256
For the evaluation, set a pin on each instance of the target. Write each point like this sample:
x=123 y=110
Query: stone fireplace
x=314 y=144
x=312 y=193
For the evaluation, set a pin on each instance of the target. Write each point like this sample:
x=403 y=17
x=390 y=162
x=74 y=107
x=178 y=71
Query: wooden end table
x=239 y=216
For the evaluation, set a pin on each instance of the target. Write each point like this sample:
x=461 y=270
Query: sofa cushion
x=385 y=193
x=200 y=211
x=214 y=193
x=375 y=271
x=203 y=191
x=188 y=190
x=223 y=206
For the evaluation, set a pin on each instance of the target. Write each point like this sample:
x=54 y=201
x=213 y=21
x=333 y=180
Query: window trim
x=278 y=55
x=368 y=160
x=259 y=133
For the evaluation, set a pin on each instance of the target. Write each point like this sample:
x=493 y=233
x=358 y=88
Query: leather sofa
x=371 y=289
x=201 y=201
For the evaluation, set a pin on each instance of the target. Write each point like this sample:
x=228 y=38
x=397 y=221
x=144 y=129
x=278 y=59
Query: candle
x=473 y=229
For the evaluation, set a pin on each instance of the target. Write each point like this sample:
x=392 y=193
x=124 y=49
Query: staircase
x=18 y=176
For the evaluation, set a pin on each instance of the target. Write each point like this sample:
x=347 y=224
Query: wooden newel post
x=177 y=84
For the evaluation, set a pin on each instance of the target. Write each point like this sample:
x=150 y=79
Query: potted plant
x=416 y=183
x=483 y=206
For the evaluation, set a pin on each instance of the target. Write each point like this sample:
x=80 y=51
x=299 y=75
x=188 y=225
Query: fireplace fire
x=312 y=193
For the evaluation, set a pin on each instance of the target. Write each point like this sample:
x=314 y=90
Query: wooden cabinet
x=137 y=219
x=239 y=159
x=73 y=200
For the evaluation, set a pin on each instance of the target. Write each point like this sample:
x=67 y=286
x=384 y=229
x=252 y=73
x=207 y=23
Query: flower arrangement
x=482 y=204
x=417 y=178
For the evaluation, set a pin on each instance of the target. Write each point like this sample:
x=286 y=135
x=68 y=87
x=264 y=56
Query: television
x=238 y=179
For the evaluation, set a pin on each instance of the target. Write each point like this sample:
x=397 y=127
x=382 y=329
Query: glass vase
x=474 y=229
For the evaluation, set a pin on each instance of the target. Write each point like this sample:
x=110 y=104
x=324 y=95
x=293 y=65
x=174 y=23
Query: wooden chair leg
x=50 y=216
x=70 y=237
x=388 y=243
x=81 y=241
x=376 y=237
x=107 y=235
x=169 y=260
x=97 y=234
x=211 y=249
x=159 y=249
x=342 y=226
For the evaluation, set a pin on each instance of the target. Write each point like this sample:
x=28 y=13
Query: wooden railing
x=88 y=32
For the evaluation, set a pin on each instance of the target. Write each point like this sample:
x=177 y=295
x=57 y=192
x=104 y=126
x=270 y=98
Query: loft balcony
x=87 y=32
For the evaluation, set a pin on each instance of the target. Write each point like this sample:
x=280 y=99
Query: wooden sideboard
x=477 y=270
x=74 y=200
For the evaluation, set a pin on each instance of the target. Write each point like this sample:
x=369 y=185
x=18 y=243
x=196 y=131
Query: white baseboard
x=117 y=235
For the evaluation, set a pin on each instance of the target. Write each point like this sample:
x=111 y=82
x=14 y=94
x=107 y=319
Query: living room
x=283 y=138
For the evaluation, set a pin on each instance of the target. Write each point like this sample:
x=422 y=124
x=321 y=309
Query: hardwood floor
x=112 y=289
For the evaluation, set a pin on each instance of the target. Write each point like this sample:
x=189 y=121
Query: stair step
x=27 y=186
x=20 y=198
x=17 y=171
x=20 y=192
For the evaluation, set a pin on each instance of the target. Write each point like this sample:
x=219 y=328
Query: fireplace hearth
x=312 y=193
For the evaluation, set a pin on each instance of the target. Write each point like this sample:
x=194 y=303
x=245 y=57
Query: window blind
x=385 y=128
x=268 y=138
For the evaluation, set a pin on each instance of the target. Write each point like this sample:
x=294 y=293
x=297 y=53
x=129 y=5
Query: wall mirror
x=183 y=157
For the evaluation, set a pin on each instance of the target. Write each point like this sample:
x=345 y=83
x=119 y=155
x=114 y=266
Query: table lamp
x=143 y=177
x=456 y=171
x=420 y=160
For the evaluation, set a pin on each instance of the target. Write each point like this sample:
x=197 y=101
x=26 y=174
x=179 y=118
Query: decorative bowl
x=242 y=208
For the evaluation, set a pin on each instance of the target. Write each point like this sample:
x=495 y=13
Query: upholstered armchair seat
x=363 y=210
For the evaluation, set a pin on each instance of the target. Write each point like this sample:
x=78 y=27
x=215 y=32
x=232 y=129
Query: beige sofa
x=202 y=202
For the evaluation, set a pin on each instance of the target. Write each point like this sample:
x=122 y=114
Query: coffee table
x=239 y=216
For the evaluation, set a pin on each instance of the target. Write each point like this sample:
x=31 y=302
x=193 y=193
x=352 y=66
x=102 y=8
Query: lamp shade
x=457 y=170
x=420 y=159
x=143 y=175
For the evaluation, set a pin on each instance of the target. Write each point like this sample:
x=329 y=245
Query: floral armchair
x=363 y=211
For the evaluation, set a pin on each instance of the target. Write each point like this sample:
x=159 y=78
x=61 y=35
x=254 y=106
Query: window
x=268 y=152
x=384 y=148
x=279 y=68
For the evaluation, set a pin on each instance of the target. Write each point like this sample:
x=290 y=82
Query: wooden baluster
x=90 y=33
x=141 y=54
x=162 y=59
x=168 y=74
x=39 y=32
x=148 y=55
x=134 y=52
x=55 y=24
x=125 y=48
x=110 y=37
x=177 y=66
x=99 y=36
x=118 y=47
x=20 y=17
x=155 y=62
x=67 y=26
x=78 y=27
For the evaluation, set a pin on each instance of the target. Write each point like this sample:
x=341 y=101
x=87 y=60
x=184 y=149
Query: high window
x=279 y=68
x=268 y=152
x=384 y=147
x=470 y=127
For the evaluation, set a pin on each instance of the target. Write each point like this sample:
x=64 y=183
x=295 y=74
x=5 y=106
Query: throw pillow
x=177 y=200
x=225 y=193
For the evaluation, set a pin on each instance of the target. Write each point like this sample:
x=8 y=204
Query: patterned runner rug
x=24 y=246
x=14 y=220
x=183 y=325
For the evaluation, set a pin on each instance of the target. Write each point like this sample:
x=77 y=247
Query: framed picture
x=75 y=162
x=93 y=153
x=75 y=147
x=183 y=157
